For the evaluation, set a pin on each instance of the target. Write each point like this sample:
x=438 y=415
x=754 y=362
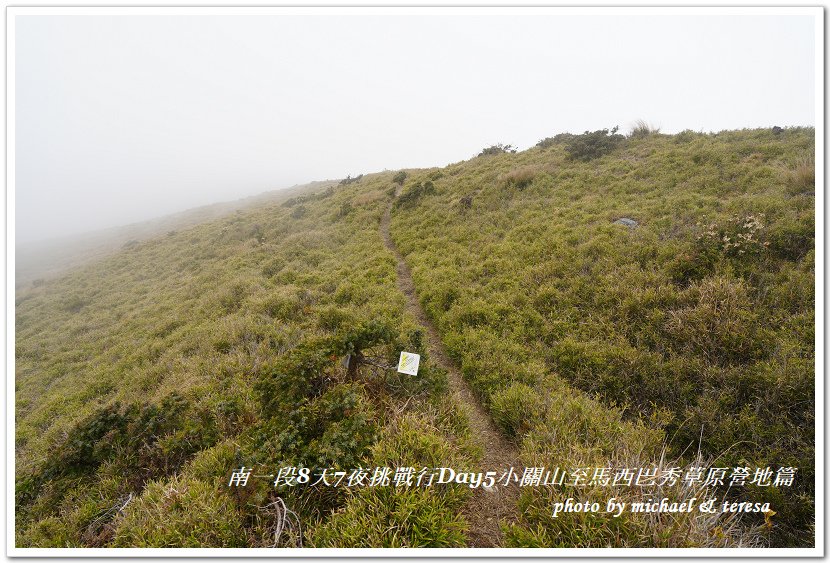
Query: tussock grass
x=642 y=129
x=520 y=178
x=180 y=512
x=802 y=177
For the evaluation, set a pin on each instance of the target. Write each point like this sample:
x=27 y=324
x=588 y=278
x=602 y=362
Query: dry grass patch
x=802 y=178
x=519 y=177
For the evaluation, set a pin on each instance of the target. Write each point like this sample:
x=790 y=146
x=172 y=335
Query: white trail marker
x=408 y=363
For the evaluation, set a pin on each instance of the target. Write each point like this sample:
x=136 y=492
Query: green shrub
x=294 y=378
x=355 y=339
x=342 y=424
x=144 y=440
x=273 y=267
x=299 y=212
x=591 y=145
x=792 y=239
x=256 y=233
x=399 y=177
x=497 y=149
x=75 y=303
x=294 y=201
x=545 y=143
x=558 y=139
x=345 y=208
x=114 y=430
x=349 y=180
x=414 y=194
x=335 y=318
x=233 y=298
x=334 y=430
x=687 y=136
x=280 y=305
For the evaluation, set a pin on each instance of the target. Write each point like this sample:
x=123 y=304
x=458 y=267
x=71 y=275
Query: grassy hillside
x=38 y=260
x=158 y=371
x=144 y=379
x=699 y=322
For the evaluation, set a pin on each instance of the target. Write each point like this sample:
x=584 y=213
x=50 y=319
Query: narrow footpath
x=487 y=507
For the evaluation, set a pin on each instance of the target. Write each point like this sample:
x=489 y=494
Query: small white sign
x=408 y=363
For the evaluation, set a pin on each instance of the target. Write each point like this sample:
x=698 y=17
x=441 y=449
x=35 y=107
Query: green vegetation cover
x=596 y=301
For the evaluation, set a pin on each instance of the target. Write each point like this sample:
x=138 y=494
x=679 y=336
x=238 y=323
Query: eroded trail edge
x=487 y=507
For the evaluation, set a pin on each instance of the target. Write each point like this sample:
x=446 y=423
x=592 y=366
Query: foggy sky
x=125 y=118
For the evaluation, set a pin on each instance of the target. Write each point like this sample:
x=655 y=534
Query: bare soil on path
x=487 y=507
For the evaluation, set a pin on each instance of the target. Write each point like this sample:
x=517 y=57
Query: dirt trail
x=486 y=508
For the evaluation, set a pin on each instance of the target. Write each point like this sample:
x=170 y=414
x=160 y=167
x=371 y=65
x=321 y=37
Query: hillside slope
x=265 y=340
x=38 y=260
x=699 y=321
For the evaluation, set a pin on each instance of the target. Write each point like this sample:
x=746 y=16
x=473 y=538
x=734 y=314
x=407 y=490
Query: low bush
x=591 y=145
x=792 y=238
x=299 y=212
x=345 y=208
x=75 y=303
x=497 y=149
x=399 y=178
x=410 y=440
x=282 y=305
x=293 y=378
x=273 y=267
x=144 y=440
x=687 y=136
x=558 y=139
x=333 y=430
x=294 y=201
x=349 y=180
x=402 y=515
x=233 y=298
x=414 y=194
